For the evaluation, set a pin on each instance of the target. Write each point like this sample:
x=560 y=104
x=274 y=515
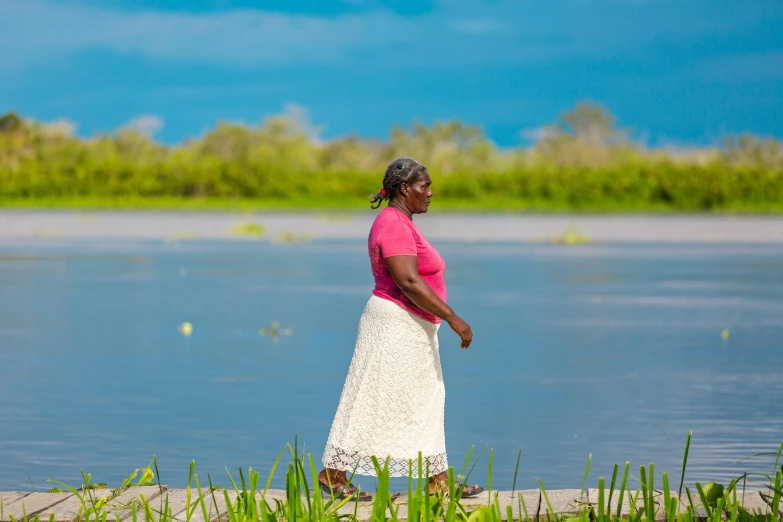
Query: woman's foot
x=440 y=482
x=335 y=483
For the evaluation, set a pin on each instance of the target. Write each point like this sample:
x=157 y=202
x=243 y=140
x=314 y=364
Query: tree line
x=584 y=160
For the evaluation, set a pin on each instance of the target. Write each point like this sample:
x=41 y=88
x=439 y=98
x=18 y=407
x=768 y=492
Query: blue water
x=613 y=350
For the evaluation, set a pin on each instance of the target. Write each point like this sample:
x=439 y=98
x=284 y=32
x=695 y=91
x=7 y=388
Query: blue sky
x=679 y=72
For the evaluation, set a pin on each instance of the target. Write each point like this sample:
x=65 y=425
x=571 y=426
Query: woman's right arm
x=405 y=271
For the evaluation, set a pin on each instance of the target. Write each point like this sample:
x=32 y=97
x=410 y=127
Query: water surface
x=614 y=350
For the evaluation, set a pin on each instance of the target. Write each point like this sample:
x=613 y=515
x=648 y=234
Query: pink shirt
x=394 y=234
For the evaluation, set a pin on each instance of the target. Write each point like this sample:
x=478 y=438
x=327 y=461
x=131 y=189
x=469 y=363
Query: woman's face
x=417 y=195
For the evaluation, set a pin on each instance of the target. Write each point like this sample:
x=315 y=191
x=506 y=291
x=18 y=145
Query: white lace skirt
x=393 y=400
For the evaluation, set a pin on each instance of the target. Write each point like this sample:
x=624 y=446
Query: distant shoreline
x=351 y=203
x=175 y=225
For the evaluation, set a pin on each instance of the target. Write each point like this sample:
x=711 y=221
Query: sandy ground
x=87 y=225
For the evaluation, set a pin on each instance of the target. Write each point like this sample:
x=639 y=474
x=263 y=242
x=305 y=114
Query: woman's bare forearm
x=425 y=298
x=405 y=271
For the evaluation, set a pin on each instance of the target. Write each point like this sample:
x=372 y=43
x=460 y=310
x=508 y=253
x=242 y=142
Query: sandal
x=345 y=491
x=469 y=491
x=462 y=490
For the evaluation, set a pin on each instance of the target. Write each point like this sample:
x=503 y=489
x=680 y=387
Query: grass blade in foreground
x=303 y=505
x=684 y=462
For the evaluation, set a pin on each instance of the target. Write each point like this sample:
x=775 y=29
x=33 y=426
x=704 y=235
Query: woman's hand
x=462 y=329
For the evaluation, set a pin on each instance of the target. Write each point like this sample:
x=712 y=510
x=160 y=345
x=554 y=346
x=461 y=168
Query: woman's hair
x=402 y=170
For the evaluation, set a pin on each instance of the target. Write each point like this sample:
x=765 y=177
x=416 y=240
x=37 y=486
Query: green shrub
x=579 y=165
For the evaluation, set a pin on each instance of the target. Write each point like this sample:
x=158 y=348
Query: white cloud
x=38 y=28
x=536 y=134
x=477 y=26
x=741 y=68
x=507 y=32
x=147 y=124
x=59 y=128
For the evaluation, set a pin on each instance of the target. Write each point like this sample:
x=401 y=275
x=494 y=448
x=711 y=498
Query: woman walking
x=392 y=404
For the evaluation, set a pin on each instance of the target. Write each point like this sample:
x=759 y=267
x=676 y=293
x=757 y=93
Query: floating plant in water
x=275 y=332
x=571 y=236
x=186 y=329
x=249 y=229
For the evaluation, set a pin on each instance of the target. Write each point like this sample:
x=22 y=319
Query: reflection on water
x=612 y=350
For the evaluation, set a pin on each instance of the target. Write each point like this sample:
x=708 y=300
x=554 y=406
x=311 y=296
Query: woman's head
x=407 y=181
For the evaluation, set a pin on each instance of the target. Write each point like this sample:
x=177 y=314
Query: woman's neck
x=402 y=208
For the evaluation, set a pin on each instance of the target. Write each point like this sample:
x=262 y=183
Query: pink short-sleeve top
x=394 y=234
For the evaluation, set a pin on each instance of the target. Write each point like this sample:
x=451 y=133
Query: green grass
x=303 y=501
x=306 y=204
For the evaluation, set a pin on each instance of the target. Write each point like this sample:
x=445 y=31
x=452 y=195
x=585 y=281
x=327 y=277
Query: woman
x=393 y=401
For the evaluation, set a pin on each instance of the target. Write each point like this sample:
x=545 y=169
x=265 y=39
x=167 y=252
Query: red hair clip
x=383 y=192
